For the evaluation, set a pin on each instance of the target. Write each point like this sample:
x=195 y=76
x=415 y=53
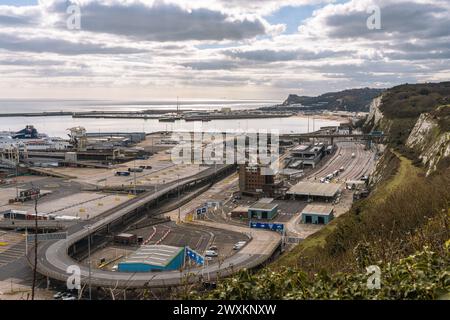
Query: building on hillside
x=317 y=214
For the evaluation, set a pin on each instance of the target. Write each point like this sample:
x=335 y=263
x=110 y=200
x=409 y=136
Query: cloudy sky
x=233 y=49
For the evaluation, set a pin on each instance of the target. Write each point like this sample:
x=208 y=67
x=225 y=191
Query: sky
x=217 y=49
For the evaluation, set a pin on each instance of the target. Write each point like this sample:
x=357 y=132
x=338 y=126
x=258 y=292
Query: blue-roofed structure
x=154 y=258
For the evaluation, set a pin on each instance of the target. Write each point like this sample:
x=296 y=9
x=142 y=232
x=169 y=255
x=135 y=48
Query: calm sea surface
x=57 y=126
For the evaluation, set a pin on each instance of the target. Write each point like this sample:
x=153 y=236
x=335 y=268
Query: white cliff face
x=375 y=112
x=432 y=144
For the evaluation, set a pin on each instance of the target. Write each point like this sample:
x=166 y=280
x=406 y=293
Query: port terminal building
x=308 y=155
x=263 y=209
x=317 y=214
x=154 y=258
x=314 y=191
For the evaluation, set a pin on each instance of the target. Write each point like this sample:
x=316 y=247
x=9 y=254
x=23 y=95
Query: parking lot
x=85 y=205
x=159 y=169
x=12 y=247
x=51 y=188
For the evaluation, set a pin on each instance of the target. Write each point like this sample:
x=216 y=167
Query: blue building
x=154 y=258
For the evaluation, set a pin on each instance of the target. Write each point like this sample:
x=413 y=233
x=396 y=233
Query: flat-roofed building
x=310 y=155
x=154 y=258
x=317 y=214
x=314 y=190
x=239 y=212
x=263 y=210
x=291 y=173
x=125 y=238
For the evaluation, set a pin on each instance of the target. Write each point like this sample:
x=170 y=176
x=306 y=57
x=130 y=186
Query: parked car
x=214 y=248
x=211 y=253
x=122 y=173
x=239 y=245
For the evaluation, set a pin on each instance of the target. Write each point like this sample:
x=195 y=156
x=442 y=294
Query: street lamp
x=134 y=164
x=178 y=199
x=88 y=227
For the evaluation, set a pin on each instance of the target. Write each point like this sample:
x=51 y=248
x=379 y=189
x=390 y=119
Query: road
x=54 y=260
x=354 y=167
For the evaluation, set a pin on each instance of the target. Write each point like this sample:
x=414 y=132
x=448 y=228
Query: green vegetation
x=403 y=226
x=388 y=222
x=409 y=101
x=424 y=275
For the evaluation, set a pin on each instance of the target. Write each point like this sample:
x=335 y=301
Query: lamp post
x=88 y=227
x=178 y=199
x=134 y=171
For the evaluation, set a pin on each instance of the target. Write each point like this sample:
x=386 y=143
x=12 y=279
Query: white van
x=239 y=245
x=211 y=253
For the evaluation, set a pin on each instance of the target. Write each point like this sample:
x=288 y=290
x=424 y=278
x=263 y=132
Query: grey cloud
x=12 y=20
x=26 y=17
x=211 y=65
x=422 y=55
x=371 y=67
x=30 y=62
x=64 y=47
x=405 y=18
x=268 y=55
x=421 y=50
x=161 y=22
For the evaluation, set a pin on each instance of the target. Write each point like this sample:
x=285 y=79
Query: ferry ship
x=32 y=140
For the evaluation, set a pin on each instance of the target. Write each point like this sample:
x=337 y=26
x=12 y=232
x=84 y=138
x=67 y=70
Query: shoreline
x=323 y=117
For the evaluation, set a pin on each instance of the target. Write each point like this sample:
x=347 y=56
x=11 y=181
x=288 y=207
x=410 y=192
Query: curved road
x=53 y=258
